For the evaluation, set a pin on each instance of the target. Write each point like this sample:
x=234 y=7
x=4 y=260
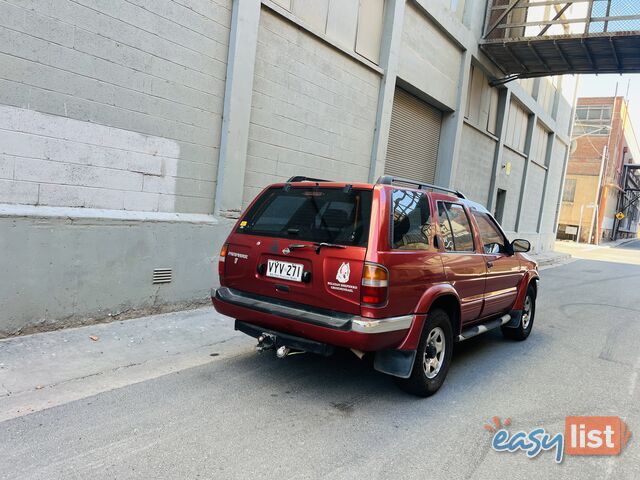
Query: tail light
x=375 y=285
x=223 y=257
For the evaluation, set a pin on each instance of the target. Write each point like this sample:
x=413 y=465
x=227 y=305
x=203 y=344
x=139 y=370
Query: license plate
x=285 y=270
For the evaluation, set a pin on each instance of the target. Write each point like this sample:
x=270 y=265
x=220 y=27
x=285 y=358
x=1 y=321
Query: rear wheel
x=526 y=322
x=433 y=356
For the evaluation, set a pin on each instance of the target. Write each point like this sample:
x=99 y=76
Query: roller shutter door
x=414 y=136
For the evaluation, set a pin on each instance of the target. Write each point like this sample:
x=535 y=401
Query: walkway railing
x=529 y=38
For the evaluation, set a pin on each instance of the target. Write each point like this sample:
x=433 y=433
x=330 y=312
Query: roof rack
x=389 y=180
x=299 y=178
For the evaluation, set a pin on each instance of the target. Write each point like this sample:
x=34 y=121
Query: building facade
x=599 y=170
x=133 y=132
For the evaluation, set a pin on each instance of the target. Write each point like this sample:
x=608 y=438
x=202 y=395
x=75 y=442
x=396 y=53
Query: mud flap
x=516 y=316
x=398 y=363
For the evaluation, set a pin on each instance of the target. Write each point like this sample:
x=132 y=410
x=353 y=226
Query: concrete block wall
x=429 y=60
x=153 y=67
x=313 y=109
x=57 y=161
x=533 y=198
x=511 y=183
x=475 y=164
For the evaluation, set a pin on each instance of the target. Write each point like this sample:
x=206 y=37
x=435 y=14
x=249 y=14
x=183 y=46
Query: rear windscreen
x=333 y=215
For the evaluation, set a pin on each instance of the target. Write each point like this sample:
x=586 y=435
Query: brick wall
x=313 y=109
x=152 y=67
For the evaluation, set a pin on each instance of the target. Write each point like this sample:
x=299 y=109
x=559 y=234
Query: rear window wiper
x=318 y=245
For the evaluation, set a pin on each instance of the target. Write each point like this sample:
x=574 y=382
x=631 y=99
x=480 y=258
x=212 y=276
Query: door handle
x=489 y=264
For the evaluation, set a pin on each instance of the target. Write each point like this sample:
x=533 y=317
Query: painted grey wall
x=64 y=271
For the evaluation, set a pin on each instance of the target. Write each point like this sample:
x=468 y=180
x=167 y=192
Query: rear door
x=464 y=268
x=413 y=260
x=503 y=270
x=303 y=244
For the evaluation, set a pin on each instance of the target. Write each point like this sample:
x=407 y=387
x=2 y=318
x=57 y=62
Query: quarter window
x=492 y=239
x=455 y=228
x=412 y=227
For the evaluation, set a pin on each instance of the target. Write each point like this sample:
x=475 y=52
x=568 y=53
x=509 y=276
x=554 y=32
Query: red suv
x=400 y=268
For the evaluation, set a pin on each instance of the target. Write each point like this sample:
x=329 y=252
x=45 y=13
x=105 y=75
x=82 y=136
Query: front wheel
x=526 y=322
x=433 y=356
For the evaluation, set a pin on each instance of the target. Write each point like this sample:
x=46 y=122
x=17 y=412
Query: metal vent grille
x=162 y=275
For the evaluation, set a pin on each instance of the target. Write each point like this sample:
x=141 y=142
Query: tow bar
x=267 y=341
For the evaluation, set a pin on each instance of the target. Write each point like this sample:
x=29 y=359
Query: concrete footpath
x=47 y=369
x=547 y=259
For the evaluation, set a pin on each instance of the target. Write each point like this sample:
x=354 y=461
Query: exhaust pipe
x=282 y=352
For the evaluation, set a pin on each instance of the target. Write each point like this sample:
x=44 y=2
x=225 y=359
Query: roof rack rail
x=300 y=178
x=389 y=180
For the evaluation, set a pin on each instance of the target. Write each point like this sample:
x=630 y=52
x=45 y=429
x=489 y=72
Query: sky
x=605 y=86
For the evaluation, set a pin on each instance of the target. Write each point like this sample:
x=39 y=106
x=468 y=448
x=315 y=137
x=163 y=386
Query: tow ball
x=267 y=341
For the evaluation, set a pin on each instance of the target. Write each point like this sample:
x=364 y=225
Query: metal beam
x=611 y=18
x=541 y=4
x=557 y=16
x=511 y=6
x=615 y=53
x=510 y=52
x=589 y=56
x=538 y=57
x=565 y=59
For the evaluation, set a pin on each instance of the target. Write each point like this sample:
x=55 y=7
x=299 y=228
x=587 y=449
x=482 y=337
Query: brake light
x=375 y=285
x=223 y=257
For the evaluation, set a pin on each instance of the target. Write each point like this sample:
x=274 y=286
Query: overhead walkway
x=534 y=38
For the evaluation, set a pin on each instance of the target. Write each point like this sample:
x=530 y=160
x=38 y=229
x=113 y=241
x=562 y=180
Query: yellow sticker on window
x=243 y=223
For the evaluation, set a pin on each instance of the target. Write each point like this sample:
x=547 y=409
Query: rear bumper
x=334 y=328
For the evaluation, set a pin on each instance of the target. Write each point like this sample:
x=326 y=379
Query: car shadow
x=344 y=380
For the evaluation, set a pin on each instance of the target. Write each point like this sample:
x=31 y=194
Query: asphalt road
x=244 y=415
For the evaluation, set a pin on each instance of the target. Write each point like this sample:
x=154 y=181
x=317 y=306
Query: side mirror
x=520 y=245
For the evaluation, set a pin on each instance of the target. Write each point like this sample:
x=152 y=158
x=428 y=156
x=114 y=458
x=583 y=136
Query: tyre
x=433 y=356
x=526 y=323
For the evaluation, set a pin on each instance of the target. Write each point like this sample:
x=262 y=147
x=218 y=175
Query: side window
x=412 y=228
x=492 y=239
x=455 y=228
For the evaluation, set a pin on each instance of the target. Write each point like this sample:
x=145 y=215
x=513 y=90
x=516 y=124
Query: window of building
x=482 y=101
x=412 y=227
x=547 y=93
x=517 y=127
x=569 y=192
x=455 y=228
x=540 y=143
x=492 y=239
x=592 y=120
